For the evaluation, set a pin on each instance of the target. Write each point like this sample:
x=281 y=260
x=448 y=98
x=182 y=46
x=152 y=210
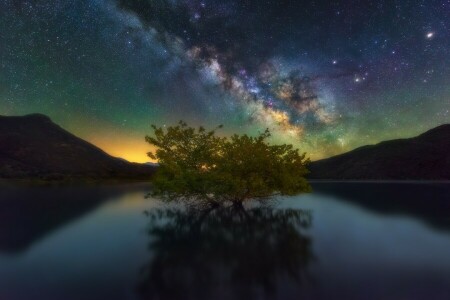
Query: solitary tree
x=198 y=166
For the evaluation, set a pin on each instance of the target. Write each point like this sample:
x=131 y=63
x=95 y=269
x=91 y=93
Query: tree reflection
x=227 y=251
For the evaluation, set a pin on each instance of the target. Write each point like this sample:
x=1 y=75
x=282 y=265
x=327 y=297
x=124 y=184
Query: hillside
x=425 y=157
x=33 y=147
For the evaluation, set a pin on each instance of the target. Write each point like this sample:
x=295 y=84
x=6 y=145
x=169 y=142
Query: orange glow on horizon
x=127 y=148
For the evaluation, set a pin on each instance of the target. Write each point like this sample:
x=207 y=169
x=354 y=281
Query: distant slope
x=33 y=147
x=425 y=157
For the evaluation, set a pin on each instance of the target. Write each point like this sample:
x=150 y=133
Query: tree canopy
x=197 y=165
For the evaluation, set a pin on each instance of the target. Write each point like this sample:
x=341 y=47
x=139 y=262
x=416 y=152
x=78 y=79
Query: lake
x=343 y=241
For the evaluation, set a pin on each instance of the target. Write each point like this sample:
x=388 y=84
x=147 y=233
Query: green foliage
x=197 y=165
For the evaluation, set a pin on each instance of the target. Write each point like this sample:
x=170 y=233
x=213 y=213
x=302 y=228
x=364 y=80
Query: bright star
x=430 y=35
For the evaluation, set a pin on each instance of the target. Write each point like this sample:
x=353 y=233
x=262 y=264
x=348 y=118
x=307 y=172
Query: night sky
x=327 y=76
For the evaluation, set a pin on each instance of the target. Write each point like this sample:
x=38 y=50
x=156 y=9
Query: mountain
x=425 y=157
x=151 y=164
x=33 y=147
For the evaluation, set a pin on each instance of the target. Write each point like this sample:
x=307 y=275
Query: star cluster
x=326 y=76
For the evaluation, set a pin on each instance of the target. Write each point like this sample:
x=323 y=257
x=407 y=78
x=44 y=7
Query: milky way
x=327 y=77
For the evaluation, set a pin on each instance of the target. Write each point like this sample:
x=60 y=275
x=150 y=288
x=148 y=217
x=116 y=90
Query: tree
x=198 y=166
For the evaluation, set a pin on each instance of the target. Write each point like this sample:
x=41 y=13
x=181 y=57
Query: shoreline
x=71 y=182
x=404 y=181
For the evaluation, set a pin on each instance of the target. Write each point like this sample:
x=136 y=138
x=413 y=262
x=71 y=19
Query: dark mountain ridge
x=33 y=147
x=425 y=157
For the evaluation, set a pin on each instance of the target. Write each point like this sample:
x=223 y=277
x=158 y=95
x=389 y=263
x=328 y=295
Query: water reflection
x=232 y=252
x=425 y=201
x=29 y=213
x=369 y=241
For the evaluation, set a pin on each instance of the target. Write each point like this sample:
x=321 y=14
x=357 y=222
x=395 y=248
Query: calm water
x=345 y=240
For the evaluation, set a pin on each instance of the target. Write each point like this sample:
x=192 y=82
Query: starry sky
x=326 y=76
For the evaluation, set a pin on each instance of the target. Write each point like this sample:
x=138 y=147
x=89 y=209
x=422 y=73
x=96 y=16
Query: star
x=210 y=61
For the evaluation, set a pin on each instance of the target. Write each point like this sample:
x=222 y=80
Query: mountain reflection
x=30 y=213
x=232 y=252
x=426 y=201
